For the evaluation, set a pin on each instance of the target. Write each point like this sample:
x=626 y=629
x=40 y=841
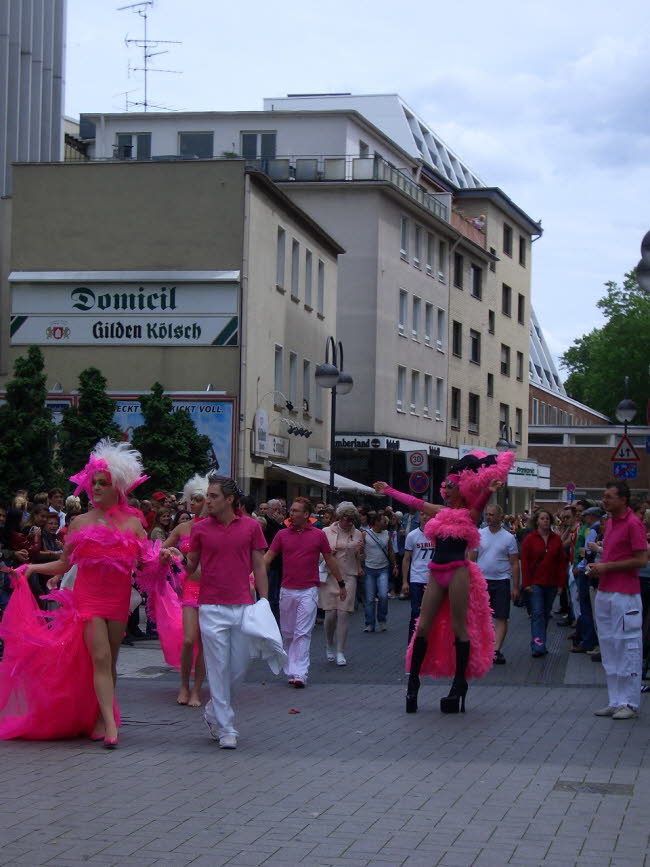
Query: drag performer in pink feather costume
x=57 y=677
x=455 y=616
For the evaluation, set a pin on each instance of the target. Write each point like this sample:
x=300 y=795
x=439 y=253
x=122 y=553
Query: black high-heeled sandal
x=417 y=655
x=412 y=690
x=455 y=701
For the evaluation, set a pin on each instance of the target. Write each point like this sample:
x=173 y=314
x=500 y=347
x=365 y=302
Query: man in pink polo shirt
x=228 y=547
x=619 y=615
x=301 y=545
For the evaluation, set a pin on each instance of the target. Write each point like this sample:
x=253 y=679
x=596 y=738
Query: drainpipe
x=243 y=444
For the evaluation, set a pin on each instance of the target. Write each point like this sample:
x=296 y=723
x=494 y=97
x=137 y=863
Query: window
x=439 y=398
x=506 y=300
x=401 y=386
x=404 y=243
x=417 y=246
x=320 y=290
x=428 y=389
x=542 y=412
x=477 y=282
x=295 y=268
x=196 y=144
x=507 y=239
x=441 y=341
x=364 y=149
x=570 y=419
x=455 y=408
x=548 y=413
x=308 y=277
x=493 y=264
x=133 y=146
x=554 y=415
x=428 y=323
x=258 y=145
x=505 y=360
x=415 y=324
x=518 y=424
x=279 y=260
x=491 y=321
x=402 y=312
x=521 y=309
x=431 y=242
x=473 y=413
x=306 y=386
x=490 y=385
x=504 y=414
x=415 y=391
x=475 y=346
x=277 y=371
x=457 y=339
x=293 y=378
x=442 y=261
x=522 y=251
x=520 y=366
x=458 y=270
x=535 y=405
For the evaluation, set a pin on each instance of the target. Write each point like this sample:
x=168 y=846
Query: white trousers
x=297 y=618
x=572 y=586
x=226 y=651
x=619 y=620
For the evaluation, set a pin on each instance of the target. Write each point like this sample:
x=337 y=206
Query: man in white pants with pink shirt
x=301 y=545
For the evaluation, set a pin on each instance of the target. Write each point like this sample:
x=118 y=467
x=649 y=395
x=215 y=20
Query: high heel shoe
x=110 y=743
x=96 y=737
x=412 y=694
x=418 y=652
x=455 y=701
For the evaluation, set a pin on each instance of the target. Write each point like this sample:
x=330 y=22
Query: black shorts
x=499 y=590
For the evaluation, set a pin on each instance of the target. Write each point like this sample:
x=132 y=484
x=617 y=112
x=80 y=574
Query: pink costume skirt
x=190 y=594
x=440 y=658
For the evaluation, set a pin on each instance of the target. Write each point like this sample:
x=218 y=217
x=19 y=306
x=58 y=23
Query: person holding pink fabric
x=456 y=597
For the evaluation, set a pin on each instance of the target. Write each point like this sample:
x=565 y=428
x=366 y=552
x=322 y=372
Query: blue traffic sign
x=625 y=470
x=418 y=482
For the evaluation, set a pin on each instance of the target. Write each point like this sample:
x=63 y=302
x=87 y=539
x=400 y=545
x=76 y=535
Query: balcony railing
x=337 y=169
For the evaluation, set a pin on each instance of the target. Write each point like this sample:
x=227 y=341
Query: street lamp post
x=626 y=409
x=503 y=444
x=331 y=375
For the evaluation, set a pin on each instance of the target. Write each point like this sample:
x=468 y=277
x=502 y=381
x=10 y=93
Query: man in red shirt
x=301 y=545
x=619 y=615
x=228 y=547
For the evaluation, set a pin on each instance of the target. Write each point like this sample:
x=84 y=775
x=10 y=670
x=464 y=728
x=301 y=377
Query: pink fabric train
x=163 y=604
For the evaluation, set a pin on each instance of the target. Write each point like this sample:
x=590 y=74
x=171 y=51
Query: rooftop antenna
x=147 y=45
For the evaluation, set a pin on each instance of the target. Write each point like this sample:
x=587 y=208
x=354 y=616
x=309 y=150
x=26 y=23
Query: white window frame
x=306 y=385
x=309 y=273
x=415 y=321
x=417 y=245
x=441 y=330
x=295 y=268
x=402 y=312
x=428 y=323
x=320 y=290
x=280 y=258
x=440 y=391
x=404 y=237
x=431 y=252
x=293 y=378
x=278 y=370
x=401 y=388
x=427 y=395
x=415 y=392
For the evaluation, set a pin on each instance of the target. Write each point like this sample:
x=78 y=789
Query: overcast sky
x=549 y=101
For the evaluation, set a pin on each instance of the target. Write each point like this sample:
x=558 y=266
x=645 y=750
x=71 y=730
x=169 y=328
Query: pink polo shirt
x=300 y=551
x=225 y=556
x=623 y=537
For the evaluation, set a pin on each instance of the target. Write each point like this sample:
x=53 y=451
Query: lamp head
x=345 y=383
x=327 y=375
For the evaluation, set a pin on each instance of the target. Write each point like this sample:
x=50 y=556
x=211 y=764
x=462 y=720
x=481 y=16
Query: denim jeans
x=585 y=629
x=416 y=592
x=376 y=584
x=541 y=602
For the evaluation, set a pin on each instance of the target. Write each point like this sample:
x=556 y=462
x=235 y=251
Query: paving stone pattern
x=351 y=780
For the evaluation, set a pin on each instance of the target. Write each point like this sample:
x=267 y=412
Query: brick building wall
x=546 y=407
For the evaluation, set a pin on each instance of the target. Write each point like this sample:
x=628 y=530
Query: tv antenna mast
x=147 y=45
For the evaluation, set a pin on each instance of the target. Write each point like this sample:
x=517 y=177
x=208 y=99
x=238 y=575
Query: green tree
x=598 y=362
x=28 y=432
x=84 y=425
x=171 y=448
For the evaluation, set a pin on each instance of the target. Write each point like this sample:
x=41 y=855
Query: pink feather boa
x=452 y=523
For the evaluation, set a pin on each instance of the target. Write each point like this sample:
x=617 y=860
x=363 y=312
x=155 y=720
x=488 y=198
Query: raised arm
x=476 y=510
x=384 y=489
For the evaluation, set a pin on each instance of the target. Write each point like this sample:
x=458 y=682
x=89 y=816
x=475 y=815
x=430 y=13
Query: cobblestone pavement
x=528 y=776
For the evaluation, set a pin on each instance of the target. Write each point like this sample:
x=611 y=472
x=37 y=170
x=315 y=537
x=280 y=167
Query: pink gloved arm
x=481 y=501
x=407 y=499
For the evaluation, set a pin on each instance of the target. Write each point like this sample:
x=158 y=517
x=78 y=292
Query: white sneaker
x=625 y=712
x=213 y=729
x=228 y=742
x=340 y=659
x=330 y=653
x=606 y=711
x=381 y=627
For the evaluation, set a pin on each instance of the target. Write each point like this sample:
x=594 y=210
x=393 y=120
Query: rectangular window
x=295 y=268
x=570 y=419
x=548 y=413
x=473 y=413
x=442 y=261
x=258 y=145
x=428 y=389
x=401 y=386
x=308 y=277
x=490 y=385
x=493 y=264
x=196 y=144
x=320 y=289
x=505 y=360
x=506 y=300
x=457 y=339
x=402 y=313
x=293 y=378
x=415 y=324
x=518 y=424
x=504 y=418
x=458 y=270
x=133 y=146
x=542 y=412
x=279 y=258
x=440 y=390
x=417 y=246
x=431 y=246
x=491 y=318
x=306 y=386
x=277 y=372
x=404 y=242
x=520 y=366
x=415 y=391
x=507 y=239
x=428 y=323
x=364 y=149
x=521 y=309
x=522 y=251
x=554 y=415
x=441 y=332
x=535 y=406
x=477 y=282
x=475 y=346
x=455 y=408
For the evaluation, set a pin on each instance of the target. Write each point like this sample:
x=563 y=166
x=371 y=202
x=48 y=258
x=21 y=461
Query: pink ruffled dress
x=190 y=589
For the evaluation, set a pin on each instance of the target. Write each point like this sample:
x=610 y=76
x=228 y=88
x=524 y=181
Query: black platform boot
x=455 y=701
x=417 y=655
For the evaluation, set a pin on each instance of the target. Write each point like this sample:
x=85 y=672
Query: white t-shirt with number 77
x=421 y=550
